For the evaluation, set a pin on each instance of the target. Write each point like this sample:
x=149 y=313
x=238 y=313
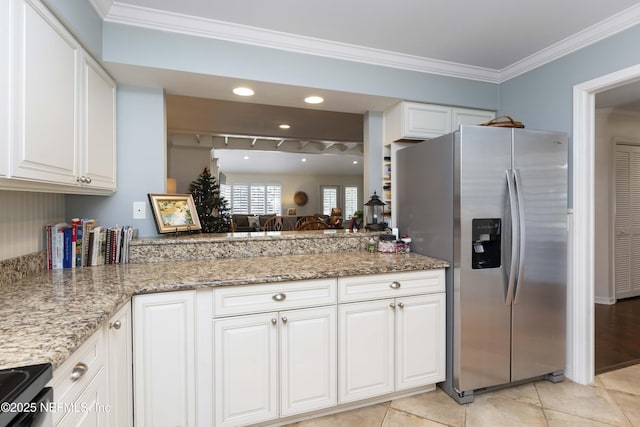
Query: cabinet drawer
x=274 y=296
x=360 y=288
x=89 y=358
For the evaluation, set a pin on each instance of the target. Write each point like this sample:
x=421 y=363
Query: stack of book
x=84 y=243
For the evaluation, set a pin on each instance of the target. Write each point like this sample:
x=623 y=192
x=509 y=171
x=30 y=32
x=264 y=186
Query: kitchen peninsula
x=47 y=317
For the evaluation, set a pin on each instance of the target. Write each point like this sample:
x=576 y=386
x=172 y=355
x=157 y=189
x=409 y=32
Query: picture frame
x=174 y=213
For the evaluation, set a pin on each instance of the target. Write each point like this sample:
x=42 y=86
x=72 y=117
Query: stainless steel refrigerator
x=493 y=203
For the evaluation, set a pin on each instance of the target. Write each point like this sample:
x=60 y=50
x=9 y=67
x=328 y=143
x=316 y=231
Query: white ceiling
x=489 y=40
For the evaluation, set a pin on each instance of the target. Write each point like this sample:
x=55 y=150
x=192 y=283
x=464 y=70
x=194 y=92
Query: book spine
x=75 y=225
x=49 y=247
x=68 y=245
x=58 y=248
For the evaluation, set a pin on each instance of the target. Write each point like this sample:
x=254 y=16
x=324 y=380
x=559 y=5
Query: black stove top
x=22 y=385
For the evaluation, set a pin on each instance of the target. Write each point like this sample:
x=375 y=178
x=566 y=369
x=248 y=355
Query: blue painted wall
x=543 y=98
x=144 y=47
x=142 y=162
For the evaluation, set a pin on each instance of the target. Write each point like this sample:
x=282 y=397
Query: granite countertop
x=45 y=317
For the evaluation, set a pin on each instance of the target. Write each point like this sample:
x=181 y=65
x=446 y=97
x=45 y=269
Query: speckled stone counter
x=241 y=245
x=46 y=316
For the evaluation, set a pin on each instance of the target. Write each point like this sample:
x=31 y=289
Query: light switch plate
x=139 y=210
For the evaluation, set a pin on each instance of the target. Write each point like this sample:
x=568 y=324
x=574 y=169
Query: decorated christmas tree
x=211 y=206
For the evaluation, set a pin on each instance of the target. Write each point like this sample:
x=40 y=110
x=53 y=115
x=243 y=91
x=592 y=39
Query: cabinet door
x=164 y=359
x=98 y=149
x=366 y=353
x=5 y=83
x=308 y=365
x=45 y=96
x=245 y=369
x=423 y=121
x=120 y=368
x=90 y=409
x=420 y=340
x=465 y=116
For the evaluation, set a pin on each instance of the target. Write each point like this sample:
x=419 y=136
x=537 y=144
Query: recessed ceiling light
x=246 y=157
x=355 y=162
x=284 y=126
x=304 y=159
x=313 y=99
x=243 y=91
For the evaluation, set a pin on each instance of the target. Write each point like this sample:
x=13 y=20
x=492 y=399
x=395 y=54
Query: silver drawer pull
x=78 y=371
x=401 y=304
x=115 y=325
x=392 y=305
x=284 y=319
x=274 y=320
x=279 y=297
x=395 y=285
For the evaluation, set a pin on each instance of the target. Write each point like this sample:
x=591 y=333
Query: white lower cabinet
x=242 y=355
x=391 y=344
x=164 y=359
x=120 y=366
x=80 y=386
x=366 y=350
x=420 y=340
x=262 y=359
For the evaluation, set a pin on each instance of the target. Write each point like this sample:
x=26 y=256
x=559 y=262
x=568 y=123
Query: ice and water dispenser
x=486 y=241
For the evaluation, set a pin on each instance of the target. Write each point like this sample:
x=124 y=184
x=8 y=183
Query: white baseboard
x=605 y=300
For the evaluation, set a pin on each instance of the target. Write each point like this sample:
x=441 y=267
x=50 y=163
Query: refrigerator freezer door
x=539 y=308
x=482 y=315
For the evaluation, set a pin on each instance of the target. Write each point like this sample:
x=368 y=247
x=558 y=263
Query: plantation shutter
x=627 y=221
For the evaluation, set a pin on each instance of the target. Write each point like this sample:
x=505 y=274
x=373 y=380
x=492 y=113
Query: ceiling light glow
x=246 y=157
x=355 y=162
x=243 y=91
x=314 y=99
x=304 y=159
x=284 y=126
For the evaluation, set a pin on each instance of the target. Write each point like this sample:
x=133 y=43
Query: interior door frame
x=580 y=307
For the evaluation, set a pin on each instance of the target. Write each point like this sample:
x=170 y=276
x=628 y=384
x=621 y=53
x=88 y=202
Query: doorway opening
x=581 y=309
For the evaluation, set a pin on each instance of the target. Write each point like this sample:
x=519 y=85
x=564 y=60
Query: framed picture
x=174 y=212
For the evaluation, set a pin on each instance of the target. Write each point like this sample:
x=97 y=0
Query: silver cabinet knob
x=279 y=297
x=401 y=304
x=284 y=319
x=115 y=325
x=395 y=285
x=274 y=320
x=392 y=305
x=87 y=180
x=78 y=371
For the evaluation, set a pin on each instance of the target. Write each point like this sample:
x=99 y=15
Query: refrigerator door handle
x=522 y=235
x=515 y=237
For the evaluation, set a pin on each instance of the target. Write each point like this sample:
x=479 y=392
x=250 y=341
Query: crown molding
x=122 y=13
x=102 y=7
x=600 y=31
x=195 y=26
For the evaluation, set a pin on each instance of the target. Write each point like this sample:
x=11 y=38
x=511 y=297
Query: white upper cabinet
x=46 y=115
x=5 y=72
x=62 y=109
x=415 y=121
x=99 y=130
x=466 y=116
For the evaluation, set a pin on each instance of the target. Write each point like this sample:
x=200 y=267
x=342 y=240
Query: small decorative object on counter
x=387 y=243
x=375 y=214
x=407 y=242
x=372 y=245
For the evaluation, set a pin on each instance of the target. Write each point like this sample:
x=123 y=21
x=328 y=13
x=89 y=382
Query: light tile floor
x=613 y=400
